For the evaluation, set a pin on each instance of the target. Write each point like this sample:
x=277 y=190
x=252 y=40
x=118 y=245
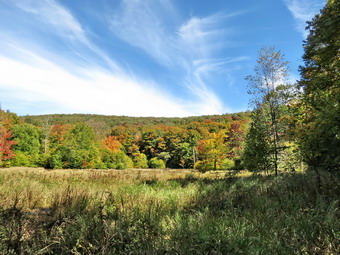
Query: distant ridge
x=113 y=120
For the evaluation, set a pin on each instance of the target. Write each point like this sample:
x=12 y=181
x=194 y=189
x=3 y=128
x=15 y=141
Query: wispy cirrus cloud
x=53 y=14
x=59 y=20
x=303 y=11
x=184 y=45
x=187 y=48
x=139 y=23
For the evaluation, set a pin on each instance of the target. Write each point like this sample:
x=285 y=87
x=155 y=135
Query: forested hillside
x=97 y=141
x=110 y=121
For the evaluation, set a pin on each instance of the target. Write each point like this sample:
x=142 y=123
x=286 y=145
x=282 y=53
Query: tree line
x=210 y=142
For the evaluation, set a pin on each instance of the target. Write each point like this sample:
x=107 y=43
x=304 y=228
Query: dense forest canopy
x=97 y=141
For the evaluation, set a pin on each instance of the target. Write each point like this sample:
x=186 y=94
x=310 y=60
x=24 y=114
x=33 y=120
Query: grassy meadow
x=166 y=212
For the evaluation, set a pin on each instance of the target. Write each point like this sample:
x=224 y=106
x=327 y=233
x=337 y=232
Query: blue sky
x=141 y=57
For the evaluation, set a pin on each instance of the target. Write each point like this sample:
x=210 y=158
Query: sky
x=169 y=58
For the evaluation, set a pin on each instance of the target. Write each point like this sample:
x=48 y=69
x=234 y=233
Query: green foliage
x=228 y=164
x=238 y=164
x=28 y=138
x=318 y=124
x=165 y=156
x=77 y=150
x=113 y=121
x=268 y=131
x=55 y=161
x=157 y=163
x=65 y=141
x=256 y=154
x=20 y=159
x=140 y=161
x=80 y=137
x=290 y=158
x=204 y=165
x=116 y=160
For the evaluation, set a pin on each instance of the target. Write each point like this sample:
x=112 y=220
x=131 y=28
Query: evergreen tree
x=256 y=154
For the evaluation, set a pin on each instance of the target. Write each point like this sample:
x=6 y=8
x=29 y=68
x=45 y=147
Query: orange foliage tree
x=111 y=143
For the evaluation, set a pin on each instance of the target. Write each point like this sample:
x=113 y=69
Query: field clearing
x=33 y=188
x=155 y=211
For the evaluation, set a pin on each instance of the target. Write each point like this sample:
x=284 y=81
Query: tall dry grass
x=166 y=212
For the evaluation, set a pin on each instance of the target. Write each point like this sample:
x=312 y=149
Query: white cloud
x=100 y=92
x=50 y=12
x=145 y=24
x=201 y=35
x=303 y=11
x=140 y=24
x=60 y=20
x=188 y=45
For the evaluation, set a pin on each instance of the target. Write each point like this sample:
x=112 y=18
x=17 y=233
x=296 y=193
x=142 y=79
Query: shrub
x=100 y=165
x=116 y=160
x=204 y=165
x=228 y=164
x=67 y=157
x=54 y=161
x=140 y=160
x=20 y=159
x=156 y=163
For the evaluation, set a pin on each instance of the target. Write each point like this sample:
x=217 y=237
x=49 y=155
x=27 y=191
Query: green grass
x=166 y=212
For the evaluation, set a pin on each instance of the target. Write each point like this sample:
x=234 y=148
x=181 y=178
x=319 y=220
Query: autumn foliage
x=112 y=143
x=6 y=144
x=91 y=141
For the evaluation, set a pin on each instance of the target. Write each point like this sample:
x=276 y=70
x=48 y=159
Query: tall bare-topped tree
x=269 y=92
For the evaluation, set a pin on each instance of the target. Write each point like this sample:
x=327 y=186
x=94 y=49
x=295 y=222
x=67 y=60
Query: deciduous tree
x=6 y=144
x=269 y=92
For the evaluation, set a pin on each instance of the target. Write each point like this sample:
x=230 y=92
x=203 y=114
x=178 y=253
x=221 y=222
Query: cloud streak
x=96 y=92
x=60 y=20
x=303 y=11
x=184 y=44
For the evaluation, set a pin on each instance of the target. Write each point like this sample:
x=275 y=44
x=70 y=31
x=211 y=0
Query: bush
x=116 y=160
x=66 y=157
x=204 y=165
x=156 y=163
x=228 y=164
x=140 y=160
x=20 y=159
x=54 y=161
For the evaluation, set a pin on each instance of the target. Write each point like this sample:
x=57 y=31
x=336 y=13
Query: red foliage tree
x=6 y=144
